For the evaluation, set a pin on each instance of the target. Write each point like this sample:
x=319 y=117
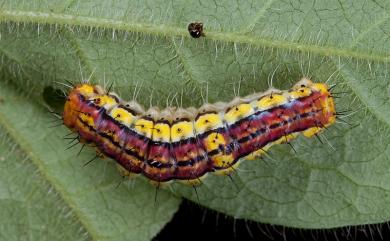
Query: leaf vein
x=162 y=30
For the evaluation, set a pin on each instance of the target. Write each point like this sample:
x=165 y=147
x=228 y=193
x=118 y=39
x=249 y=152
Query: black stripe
x=157 y=164
x=190 y=140
x=191 y=161
x=162 y=121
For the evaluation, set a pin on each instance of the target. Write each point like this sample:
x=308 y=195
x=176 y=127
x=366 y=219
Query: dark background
x=193 y=222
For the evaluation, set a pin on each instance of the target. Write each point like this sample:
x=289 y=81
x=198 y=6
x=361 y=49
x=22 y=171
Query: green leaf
x=145 y=49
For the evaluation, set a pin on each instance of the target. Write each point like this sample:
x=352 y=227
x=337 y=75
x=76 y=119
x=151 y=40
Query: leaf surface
x=145 y=49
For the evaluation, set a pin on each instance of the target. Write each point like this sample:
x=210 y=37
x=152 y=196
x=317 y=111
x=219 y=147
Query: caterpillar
x=186 y=144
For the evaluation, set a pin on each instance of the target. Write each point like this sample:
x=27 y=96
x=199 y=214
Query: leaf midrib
x=170 y=31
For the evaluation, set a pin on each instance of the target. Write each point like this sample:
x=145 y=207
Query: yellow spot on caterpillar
x=213 y=141
x=238 y=112
x=300 y=92
x=207 y=122
x=222 y=161
x=122 y=115
x=161 y=132
x=105 y=101
x=228 y=170
x=182 y=130
x=328 y=105
x=271 y=101
x=312 y=131
x=87 y=119
x=86 y=90
x=144 y=127
x=323 y=88
x=290 y=137
x=331 y=111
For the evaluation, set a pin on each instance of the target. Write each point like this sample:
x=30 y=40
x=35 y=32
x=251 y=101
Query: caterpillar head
x=74 y=102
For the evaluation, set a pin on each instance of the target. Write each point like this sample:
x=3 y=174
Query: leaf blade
x=248 y=46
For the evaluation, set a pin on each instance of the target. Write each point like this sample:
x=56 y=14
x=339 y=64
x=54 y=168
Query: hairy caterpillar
x=186 y=144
